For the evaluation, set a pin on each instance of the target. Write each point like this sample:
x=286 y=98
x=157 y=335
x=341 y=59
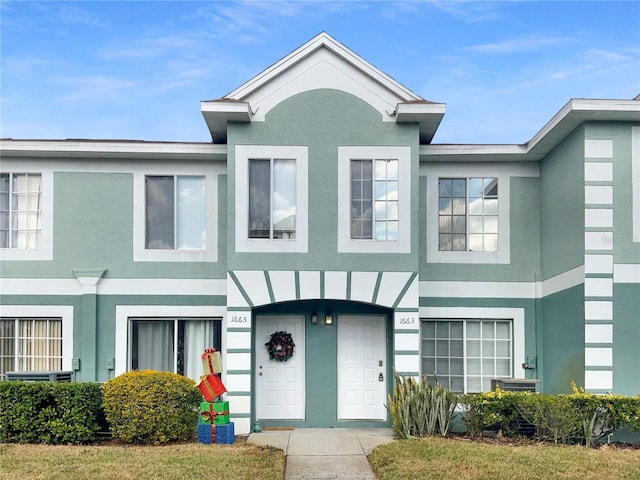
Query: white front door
x=362 y=383
x=280 y=389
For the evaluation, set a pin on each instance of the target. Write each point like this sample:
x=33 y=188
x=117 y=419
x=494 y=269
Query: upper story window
x=272 y=198
x=175 y=215
x=468 y=214
x=175 y=212
x=374 y=199
x=20 y=210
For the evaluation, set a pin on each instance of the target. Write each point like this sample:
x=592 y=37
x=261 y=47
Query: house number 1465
x=239 y=319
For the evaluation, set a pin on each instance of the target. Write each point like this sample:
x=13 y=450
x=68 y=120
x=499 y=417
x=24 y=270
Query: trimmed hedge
x=152 y=407
x=578 y=418
x=49 y=412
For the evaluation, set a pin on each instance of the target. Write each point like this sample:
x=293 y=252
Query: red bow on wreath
x=280 y=347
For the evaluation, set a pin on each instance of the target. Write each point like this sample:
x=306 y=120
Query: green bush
x=420 y=408
x=49 y=412
x=578 y=418
x=151 y=407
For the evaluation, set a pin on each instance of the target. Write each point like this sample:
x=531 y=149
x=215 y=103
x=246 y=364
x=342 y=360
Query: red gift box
x=211 y=387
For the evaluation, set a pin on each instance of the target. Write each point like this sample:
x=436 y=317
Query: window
x=468 y=214
x=30 y=344
x=272 y=198
x=172 y=345
x=374 y=199
x=20 y=210
x=175 y=212
x=465 y=355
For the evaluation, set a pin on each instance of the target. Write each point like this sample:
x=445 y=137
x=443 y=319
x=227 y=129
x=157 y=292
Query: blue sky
x=138 y=70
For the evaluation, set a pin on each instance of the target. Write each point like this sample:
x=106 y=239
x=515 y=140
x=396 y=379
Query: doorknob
x=381 y=377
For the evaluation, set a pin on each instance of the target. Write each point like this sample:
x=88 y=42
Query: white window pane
x=445 y=243
x=456 y=366
x=445 y=188
x=475 y=206
x=475 y=242
x=381 y=211
x=475 y=187
x=459 y=188
x=392 y=230
x=392 y=191
x=474 y=385
x=392 y=170
x=490 y=206
x=459 y=206
x=456 y=329
x=490 y=186
x=380 y=169
x=442 y=366
x=442 y=329
x=442 y=348
x=473 y=366
x=490 y=224
x=502 y=330
x=381 y=231
x=445 y=223
x=380 y=191
x=392 y=211
x=152 y=345
x=459 y=243
x=488 y=349
x=459 y=224
x=488 y=329
x=191 y=212
x=491 y=243
x=488 y=367
x=473 y=348
x=502 y=348
x=457 y=384
x=502 y=368
x=473 y=329
x=446 y=205
x=475 y=225
x=284 y=199
x=456 y=347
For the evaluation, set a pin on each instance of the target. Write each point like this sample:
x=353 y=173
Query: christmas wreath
x=280 y=347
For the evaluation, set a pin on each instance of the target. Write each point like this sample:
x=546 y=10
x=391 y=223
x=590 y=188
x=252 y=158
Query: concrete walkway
x=325 y=453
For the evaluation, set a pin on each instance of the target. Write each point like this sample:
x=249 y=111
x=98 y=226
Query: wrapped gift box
x=205 y=434
x=221 y=413
x=225 y=434
x=218 y=411
x=211 y=387
x=211 y=361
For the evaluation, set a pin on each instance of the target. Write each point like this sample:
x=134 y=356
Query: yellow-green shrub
x=151 y=407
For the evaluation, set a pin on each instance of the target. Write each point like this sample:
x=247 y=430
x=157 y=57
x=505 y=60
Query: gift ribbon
x=211 y=415
x=207 y=354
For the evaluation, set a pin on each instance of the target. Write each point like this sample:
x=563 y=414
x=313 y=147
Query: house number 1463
x=407 y=320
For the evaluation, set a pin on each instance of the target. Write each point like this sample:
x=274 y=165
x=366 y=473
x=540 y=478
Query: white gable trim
x=322 y=40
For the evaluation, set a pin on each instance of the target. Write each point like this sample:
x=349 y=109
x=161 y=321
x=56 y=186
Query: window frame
x=245 y=153
x=63 y=312
x=434 y=173
x=465 y=355
x=515 y=315
x=175 y=321
x=635 y=183
x=45 y=248
x=346 y=244
x=126 y=312
x=143 y=254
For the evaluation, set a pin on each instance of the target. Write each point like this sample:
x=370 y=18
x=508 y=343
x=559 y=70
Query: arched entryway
x=340 y=372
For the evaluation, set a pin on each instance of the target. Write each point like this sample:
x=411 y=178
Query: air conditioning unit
x=41 y=376
x=515 y=385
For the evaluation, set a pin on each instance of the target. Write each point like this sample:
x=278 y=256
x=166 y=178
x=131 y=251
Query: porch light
x=328 y=319
x=314 y=318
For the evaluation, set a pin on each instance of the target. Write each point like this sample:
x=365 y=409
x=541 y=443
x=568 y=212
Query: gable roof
x=322 y=62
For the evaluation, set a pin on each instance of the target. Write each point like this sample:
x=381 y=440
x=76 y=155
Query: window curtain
x=25 y=206
x=155 y=345
x=198 y=336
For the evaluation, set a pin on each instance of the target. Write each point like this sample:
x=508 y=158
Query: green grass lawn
x=110 y=462
x=461 y=459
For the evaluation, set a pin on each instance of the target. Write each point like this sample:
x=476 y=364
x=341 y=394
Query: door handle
x=381 y=377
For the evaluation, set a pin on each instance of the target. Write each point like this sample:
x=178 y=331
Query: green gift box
x=221 y=413
x=218 y=411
